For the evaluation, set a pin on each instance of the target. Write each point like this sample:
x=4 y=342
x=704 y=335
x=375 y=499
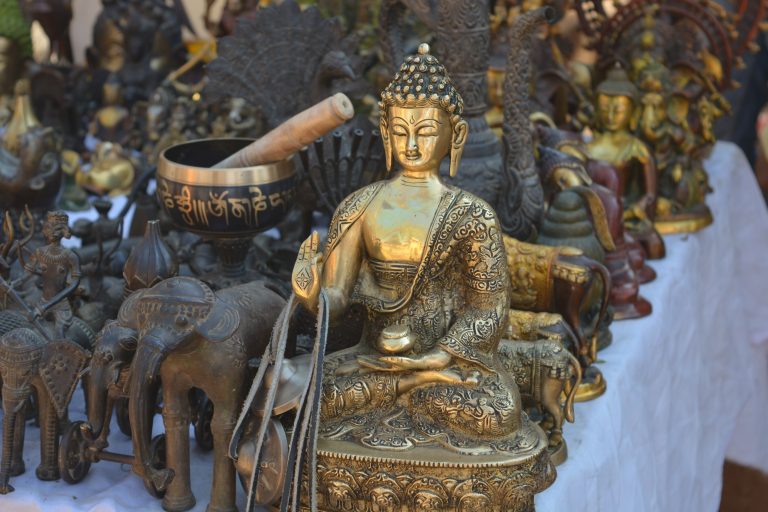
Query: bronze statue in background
x=679 y=54
x=462 y=30
x=425 y=378
x=54 y=16
x=15 y=44
x=30 y=172
x=614 y=142
x=111 y=172
x=301 y=44
x=140 y=42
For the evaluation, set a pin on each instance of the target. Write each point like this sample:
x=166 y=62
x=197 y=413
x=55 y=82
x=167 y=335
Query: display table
x=686 y=386
x=687 y=382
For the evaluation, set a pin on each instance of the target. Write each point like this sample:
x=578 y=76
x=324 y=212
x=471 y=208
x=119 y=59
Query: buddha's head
x=109 y=45
x=616 y=101
x=11 y=64
x=421 y=116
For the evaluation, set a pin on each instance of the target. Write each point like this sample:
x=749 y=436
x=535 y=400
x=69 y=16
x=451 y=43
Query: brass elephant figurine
x=191 y=337
x=51 y=368
x=559 y=280
x=544 y=370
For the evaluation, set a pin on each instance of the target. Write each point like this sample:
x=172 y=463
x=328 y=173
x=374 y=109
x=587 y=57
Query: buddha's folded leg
x=473 y=411
x=357 y=394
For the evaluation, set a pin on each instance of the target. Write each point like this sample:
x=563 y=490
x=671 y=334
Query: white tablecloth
x=686 y=386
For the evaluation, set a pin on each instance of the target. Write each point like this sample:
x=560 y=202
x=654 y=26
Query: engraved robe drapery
x=456 y=299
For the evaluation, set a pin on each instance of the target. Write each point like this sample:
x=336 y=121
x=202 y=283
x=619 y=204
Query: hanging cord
x=273 y=355
x=304 y=438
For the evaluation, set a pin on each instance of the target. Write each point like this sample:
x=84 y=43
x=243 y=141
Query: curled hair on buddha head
x=422 y=81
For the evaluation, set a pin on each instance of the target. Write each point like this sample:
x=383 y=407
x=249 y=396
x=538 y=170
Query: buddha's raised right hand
x=305 y=279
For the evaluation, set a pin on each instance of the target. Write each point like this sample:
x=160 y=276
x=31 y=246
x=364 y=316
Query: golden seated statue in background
x=615 y=143
x=421 y=413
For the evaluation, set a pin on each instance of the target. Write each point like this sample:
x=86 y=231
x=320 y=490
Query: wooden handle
x=297 y=132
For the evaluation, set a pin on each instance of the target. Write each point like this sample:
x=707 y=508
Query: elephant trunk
x=144 y=371
x=605 y=275
x=97 y=390
x=522 y=203
x=14 y=400
x=571 y=388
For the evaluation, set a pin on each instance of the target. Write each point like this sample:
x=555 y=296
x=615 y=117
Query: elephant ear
x=60 y=368
x=127 y=316
x=221 y=323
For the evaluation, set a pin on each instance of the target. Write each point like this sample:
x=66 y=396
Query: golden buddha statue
x=111 y=172
x=615 y=142
x=420 y=411
x=112 y=120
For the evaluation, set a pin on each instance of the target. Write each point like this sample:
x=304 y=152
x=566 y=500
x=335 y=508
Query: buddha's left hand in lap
x=435 y=359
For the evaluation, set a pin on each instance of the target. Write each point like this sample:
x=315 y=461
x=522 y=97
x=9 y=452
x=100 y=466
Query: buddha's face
x=10 y=65
x=614 y=112
x=566 y=177
x=111 y=93
x=111 y=45
x=420 y=136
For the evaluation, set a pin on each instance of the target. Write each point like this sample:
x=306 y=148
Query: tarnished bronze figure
x=188 y=336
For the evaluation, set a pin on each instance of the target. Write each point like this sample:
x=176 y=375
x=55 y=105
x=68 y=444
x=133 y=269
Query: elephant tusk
x=20 y=406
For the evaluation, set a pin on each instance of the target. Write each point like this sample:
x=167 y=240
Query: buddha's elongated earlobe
x=384 y=129
x=458 y=139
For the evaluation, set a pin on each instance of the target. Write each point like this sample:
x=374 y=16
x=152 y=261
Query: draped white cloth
x=687 y=386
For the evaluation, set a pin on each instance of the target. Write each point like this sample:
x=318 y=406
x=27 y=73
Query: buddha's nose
x=412 y=150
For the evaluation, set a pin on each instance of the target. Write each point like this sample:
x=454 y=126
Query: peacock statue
x=282 y=60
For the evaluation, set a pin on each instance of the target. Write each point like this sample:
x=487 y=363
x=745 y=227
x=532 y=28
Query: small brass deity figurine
x=421 y=414
x=680 y=55
x=73 y=197
x=614 y=142
x=111 y=172
x=112 y=120
x=30 y=171
x=59 y=272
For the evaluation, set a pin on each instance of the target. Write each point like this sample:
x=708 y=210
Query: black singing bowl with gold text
x=223 y=203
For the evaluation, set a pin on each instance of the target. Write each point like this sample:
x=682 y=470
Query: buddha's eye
x=399 y=131
x=428 y=131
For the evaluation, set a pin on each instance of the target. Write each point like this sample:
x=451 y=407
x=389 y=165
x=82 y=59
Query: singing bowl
x=222 y=203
